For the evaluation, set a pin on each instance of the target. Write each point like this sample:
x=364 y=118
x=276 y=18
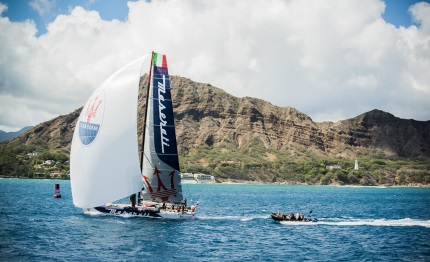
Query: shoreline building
x=189 y=178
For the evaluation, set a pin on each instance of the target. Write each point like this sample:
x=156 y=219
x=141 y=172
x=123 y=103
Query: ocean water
x=233 y=223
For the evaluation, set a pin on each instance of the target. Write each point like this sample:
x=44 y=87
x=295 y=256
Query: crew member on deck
x=133 y=200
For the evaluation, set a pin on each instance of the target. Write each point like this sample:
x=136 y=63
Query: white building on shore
x=189 y=178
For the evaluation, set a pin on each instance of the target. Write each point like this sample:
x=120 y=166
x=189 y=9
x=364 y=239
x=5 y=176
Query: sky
x=330 y=59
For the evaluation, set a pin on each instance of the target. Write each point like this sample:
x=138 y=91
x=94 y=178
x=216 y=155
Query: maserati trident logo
x=162 y=192
x=92 y=108
x=91 y=118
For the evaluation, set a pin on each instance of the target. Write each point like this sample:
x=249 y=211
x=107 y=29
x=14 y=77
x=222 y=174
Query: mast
x=146 y=111
x=142 y=155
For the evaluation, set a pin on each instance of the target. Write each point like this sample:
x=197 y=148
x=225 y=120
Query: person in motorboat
x=310 y=214
x=291 y=217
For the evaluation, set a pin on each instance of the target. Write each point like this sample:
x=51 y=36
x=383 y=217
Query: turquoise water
x=233 y=223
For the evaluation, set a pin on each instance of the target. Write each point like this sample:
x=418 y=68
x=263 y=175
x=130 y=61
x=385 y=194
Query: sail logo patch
x=163 y=122
x=162 y=192
x=91 y=118
x=163 y=118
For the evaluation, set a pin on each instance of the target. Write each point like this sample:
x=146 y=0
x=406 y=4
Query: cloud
x=43 y=7
x=2 y=8
x=421 y=14
x=329 y=59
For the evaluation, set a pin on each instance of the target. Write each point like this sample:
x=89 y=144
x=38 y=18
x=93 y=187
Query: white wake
x=405 y=222
x=240 y=218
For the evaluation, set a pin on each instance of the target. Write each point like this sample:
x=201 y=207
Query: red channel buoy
x=57 y=191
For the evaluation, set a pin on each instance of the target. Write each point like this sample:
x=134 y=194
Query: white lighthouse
x=356 y=164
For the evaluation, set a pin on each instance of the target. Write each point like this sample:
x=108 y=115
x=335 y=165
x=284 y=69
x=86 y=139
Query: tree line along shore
x=237 y=167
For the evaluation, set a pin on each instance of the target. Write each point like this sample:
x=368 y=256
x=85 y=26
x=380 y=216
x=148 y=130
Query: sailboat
x=104 y=158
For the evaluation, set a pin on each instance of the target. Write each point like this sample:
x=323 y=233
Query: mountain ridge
x=245 y=138
x=207 y=115
x=10 y=135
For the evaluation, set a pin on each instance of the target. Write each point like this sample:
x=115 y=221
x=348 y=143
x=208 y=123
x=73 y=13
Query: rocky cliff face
x=382 y=130
x=206 y=115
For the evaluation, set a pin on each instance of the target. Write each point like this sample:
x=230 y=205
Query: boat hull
x=280 y=218
x=121 y=210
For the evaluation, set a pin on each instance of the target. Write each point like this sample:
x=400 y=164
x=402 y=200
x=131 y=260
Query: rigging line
x=146 y=111
x=148 y=161
x=143 y=155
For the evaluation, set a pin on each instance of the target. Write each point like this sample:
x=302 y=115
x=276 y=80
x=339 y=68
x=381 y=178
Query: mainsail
x=160 y=163
x=104 y=159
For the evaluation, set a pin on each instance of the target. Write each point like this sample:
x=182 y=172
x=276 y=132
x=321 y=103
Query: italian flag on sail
x=159 y=60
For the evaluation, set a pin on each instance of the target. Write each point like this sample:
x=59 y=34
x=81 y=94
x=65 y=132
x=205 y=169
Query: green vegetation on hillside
x=303 y=167
x=33 y=162
x=255 y=163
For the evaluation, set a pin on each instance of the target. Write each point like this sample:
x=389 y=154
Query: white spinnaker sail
x=104 y=158
x=160 y=167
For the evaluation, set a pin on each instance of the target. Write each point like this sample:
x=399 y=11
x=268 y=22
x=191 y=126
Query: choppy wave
x=405 y=222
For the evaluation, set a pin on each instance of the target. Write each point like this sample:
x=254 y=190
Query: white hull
x=162 y=215
x=126 y=210
x=177 y=215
